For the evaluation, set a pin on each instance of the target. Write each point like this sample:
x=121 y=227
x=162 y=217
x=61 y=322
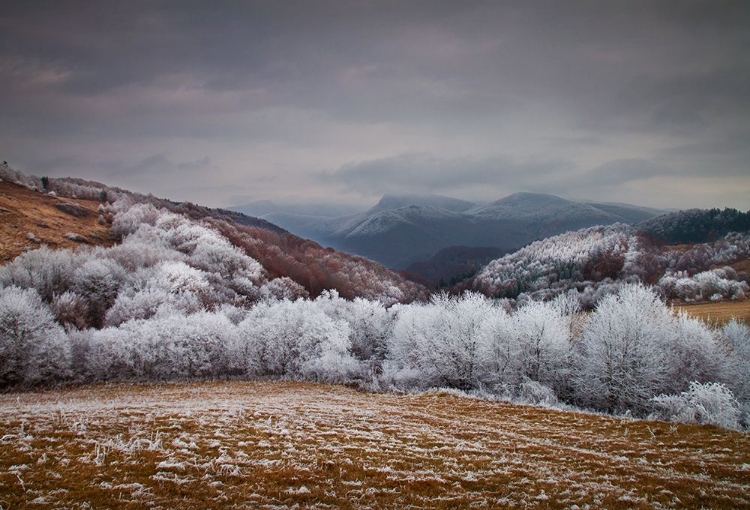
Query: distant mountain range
x=402 y=230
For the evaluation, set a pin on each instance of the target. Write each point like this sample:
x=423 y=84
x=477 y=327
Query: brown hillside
x=29 y=219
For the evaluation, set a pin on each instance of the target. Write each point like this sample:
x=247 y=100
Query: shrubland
x=188 y=295
x=597 y=261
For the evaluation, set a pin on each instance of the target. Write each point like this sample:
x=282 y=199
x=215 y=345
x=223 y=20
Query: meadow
x=271 y=444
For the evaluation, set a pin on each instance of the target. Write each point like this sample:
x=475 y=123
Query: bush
x=33 y=348
x=711 y=403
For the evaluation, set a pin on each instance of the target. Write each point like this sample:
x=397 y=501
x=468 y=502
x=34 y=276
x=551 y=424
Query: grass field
x=271 y=444
x=719 y=312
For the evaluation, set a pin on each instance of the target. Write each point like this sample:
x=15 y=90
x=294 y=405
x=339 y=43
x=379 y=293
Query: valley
x=408 y=229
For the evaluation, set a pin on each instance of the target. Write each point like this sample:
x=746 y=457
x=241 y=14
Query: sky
x=226 y=102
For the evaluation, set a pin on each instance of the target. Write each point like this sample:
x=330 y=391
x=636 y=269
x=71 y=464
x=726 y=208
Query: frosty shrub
x=98 y=281
x=48 y=271
x=623 y=351
x=711 y=403
x=70 y=310
x=692 y=354
x=714 y=285
x=171 y=347
x=294 y=339
x=532 y=392
x=283 y=288
x=33 y=347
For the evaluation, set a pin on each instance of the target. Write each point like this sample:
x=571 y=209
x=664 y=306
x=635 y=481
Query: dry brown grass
x=741 y=266
x=719 y=313
x=23 y=211
x=266 y=444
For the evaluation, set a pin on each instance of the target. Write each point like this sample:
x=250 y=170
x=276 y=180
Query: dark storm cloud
x=609 y=92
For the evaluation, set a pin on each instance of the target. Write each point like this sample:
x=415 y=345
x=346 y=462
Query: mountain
x=437 y=201
x=405 y=229
x=630 y=213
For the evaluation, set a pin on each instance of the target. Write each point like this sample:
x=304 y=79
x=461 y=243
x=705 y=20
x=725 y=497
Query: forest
x=181 y=298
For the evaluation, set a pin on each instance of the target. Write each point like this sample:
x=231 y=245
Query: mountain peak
x=397 y=201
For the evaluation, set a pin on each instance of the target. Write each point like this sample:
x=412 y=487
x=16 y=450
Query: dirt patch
x=29 y=219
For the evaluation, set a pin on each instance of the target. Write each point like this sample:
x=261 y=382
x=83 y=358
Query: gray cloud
x=426 y=173
x=619 y=171
x=471 y=96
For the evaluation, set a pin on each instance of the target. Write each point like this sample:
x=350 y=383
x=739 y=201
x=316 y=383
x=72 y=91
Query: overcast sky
x=221 y=103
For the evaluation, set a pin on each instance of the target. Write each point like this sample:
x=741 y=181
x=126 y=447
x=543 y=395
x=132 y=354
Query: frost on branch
x=33 y=347
x=711 y=403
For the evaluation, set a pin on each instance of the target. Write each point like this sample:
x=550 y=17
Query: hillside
x=596 y=261
x=403 y=230
x=29 y=219
x=32 y=218
x=696 y=225
x=263 y=444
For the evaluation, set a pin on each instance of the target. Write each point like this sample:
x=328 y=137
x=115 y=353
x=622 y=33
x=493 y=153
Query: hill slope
x=597 y=260
x=31 y=218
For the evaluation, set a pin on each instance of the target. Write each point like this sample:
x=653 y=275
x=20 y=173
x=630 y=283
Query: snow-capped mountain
x=402 y=229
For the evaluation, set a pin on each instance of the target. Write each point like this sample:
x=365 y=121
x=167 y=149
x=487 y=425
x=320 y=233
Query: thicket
x=177 y=300
x=696 y=225
x=597 y=261
x=181 y=298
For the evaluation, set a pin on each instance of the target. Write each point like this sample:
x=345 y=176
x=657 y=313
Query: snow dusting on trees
x=188 y=298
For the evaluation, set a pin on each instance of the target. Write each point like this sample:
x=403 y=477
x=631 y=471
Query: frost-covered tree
x=623 y=351
x=543 y=337
x=33 y=347
x=736 y=336
x=448 y=342
x=98 y=281
x=692 y=354
x=369 y=323
x=294 y=339
x=450 y=347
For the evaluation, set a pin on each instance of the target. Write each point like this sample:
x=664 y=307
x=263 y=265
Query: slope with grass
x=265 y=444
x=29 y=219
x=721 y=312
